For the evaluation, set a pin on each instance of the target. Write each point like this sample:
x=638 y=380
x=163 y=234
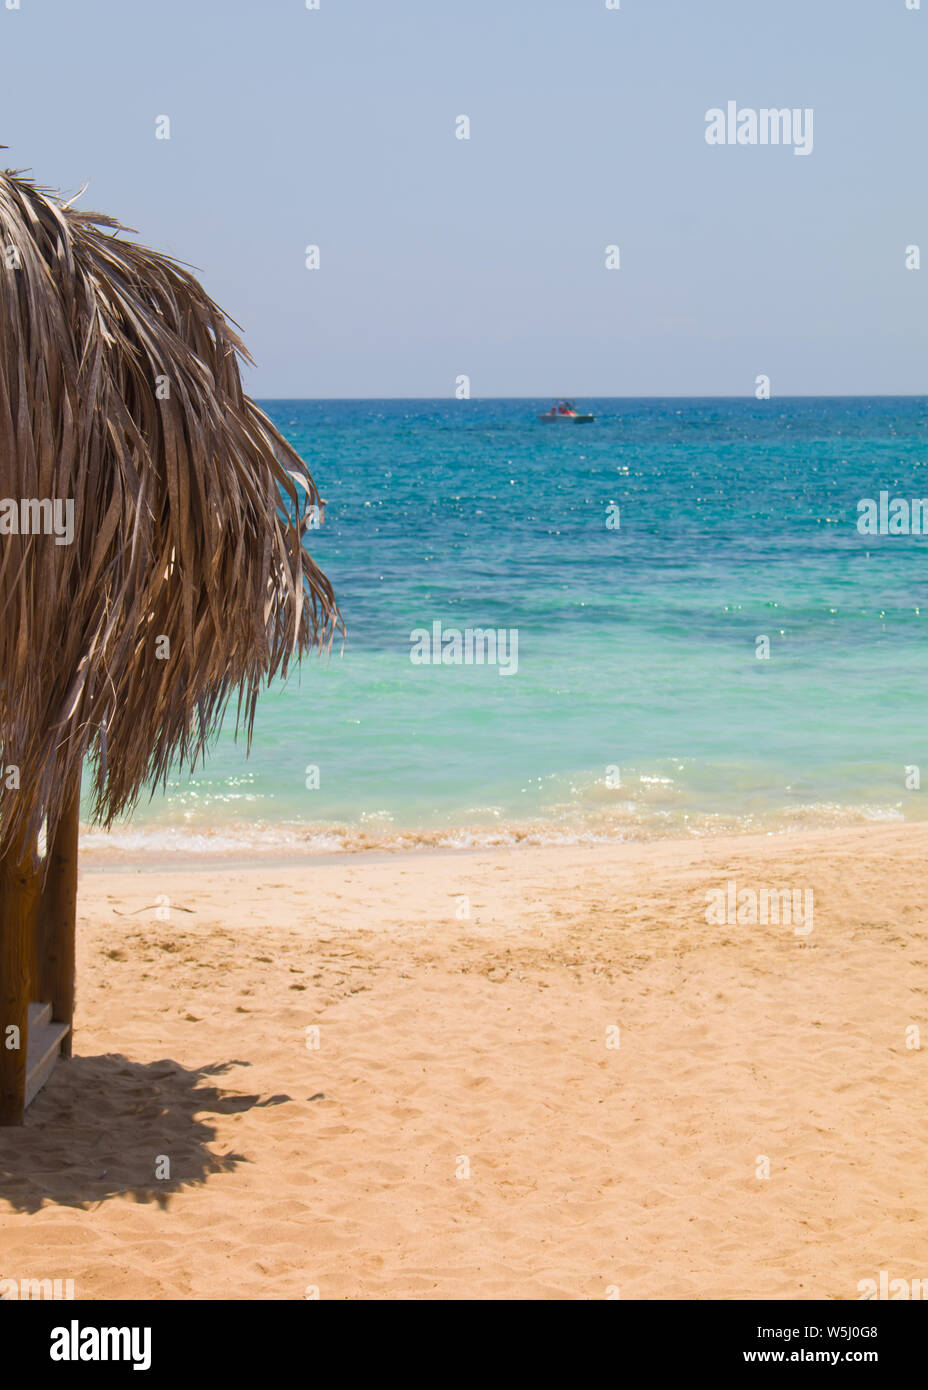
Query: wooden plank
x=44 y=1048
x=39 y=1015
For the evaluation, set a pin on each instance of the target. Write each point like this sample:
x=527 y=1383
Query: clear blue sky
x=485 y=257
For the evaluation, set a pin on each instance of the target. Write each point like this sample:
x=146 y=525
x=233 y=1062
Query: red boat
x=566 y=410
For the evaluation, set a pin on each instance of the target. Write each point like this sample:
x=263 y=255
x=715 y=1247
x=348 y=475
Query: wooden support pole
x=19 y=890
x=32 y=939
x=58 y=919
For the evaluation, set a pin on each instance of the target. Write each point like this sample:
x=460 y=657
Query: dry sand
x=446 y=1041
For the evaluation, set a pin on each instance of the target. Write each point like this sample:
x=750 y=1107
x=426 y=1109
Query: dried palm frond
x=120 y=388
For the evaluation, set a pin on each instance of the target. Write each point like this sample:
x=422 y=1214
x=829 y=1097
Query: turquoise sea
x=636 y=644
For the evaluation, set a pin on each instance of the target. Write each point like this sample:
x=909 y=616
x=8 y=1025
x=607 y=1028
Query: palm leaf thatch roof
x=120 y=388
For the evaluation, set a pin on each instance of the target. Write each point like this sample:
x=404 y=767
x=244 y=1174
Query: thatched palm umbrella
x=120 y=390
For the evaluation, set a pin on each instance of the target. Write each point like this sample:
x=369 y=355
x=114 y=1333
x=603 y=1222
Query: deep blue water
x=636 y=645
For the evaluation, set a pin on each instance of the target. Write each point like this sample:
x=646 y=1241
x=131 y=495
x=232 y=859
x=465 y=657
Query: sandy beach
x=364 y=1091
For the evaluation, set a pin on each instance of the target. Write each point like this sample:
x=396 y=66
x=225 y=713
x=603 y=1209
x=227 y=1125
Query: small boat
x=566 y=410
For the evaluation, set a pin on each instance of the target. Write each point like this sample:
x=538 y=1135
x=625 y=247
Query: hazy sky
x=441 y=256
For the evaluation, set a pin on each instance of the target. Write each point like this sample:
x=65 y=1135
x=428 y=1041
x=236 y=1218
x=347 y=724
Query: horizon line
x=794 y=396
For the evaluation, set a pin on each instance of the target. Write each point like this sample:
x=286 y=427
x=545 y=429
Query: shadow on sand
x=102 y=1125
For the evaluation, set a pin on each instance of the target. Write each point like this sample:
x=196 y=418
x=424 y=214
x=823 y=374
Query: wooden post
x=19 y=887
x=58 y=919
